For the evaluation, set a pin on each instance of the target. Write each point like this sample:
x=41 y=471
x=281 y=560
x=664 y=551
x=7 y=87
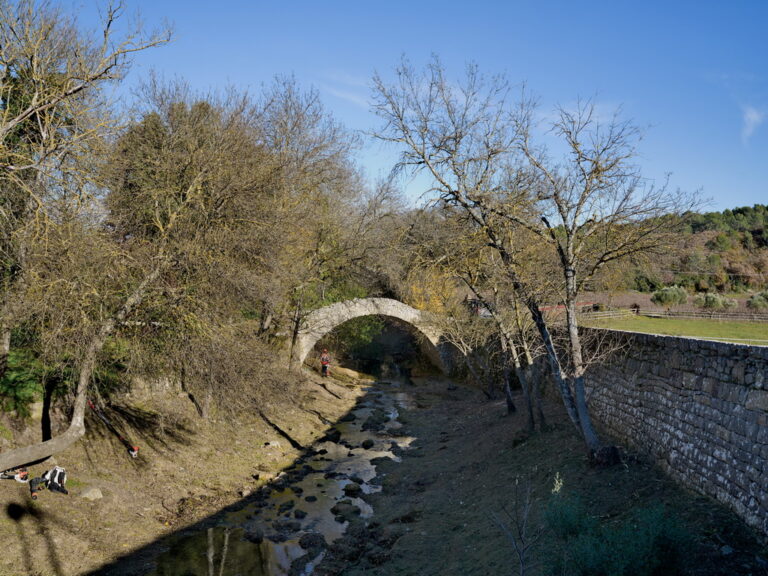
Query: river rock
x=312 y=541
x=277 y=538
x=286 y=525
x=353 y=490
x=378 y=556
x=311 y=498
x=367 y=444
x=376 y=420
x=344 y=511
x=92 y=494
x=299 y=514
x=256 y=535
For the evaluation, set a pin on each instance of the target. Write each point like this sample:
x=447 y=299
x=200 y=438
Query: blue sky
x=692 y=74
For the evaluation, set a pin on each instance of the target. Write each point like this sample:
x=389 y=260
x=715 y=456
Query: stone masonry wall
x=699 y=408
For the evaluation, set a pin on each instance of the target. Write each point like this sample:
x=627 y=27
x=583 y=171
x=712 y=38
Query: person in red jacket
x=325 y=363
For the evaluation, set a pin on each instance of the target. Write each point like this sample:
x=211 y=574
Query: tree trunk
x=295 y=362
x=541 y=325
x=530 y=376
x=266 y=319
x=5 y=348
x=509 y=346
x=554 y=362
x=536 y=392
x=47 y=448
x=577 y=363
x=511 y=408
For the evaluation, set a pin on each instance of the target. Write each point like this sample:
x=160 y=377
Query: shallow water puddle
x=309 y=501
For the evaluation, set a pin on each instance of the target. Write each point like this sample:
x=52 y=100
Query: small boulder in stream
x=376 y=420
x=286 y=525
x=344 y=511
x=255 y=535
x=312 y=541
x=353 y=490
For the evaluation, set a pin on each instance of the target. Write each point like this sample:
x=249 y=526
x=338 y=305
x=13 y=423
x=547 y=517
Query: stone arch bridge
x=321 y=321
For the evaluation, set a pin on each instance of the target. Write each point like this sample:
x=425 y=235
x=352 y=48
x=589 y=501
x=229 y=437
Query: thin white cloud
x=752 y=118
x=348 y=95
x=348 y=87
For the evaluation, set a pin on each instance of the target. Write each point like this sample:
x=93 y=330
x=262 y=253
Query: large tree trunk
x=577 y=363
x=554 y=362
x=541 y=325
x=511 y=408
x=46 y=449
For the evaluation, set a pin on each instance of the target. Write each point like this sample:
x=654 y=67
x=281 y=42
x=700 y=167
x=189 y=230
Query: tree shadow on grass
x=129 y=427
x=42 y=521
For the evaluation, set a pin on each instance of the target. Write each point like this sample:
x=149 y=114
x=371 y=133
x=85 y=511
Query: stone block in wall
x=757 y=400
x=760 y=379
x=710 y=386
x=737 y=373
x=689 y=381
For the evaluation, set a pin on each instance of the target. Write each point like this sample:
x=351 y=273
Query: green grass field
x=722 y=330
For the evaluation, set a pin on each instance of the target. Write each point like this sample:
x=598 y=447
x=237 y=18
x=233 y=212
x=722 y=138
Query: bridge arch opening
x=395 y=314
x=382 y=346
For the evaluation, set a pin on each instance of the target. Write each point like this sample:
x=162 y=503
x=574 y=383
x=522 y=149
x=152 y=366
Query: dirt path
x=435 y=515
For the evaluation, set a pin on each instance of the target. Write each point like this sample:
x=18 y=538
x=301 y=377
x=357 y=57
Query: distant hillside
x=723 y=251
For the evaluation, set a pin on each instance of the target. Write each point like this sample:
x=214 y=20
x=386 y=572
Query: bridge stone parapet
x=320 y=322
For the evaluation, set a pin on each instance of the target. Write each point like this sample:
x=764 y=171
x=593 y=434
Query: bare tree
x=465 y=138
x=595 y=208
x=52 y=119
x=591 y=209
x=517 y=526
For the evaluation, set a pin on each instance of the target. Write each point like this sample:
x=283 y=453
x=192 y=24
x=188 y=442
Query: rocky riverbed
x=286 y=526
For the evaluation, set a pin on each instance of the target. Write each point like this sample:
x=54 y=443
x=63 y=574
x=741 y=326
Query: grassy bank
x=721 y=330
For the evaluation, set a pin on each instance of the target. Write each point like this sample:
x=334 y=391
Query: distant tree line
x=717 y=252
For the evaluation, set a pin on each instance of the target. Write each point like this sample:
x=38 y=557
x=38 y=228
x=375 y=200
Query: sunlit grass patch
x=721 y=330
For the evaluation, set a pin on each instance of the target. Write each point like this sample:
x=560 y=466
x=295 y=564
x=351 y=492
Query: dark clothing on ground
x=54 y=479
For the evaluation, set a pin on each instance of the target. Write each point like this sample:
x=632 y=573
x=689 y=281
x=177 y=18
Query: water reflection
x=307 y=506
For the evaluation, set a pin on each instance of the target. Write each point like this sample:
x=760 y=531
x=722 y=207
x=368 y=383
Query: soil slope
x=188 y=468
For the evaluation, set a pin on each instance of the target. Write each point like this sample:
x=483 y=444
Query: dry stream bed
x=286 y=527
